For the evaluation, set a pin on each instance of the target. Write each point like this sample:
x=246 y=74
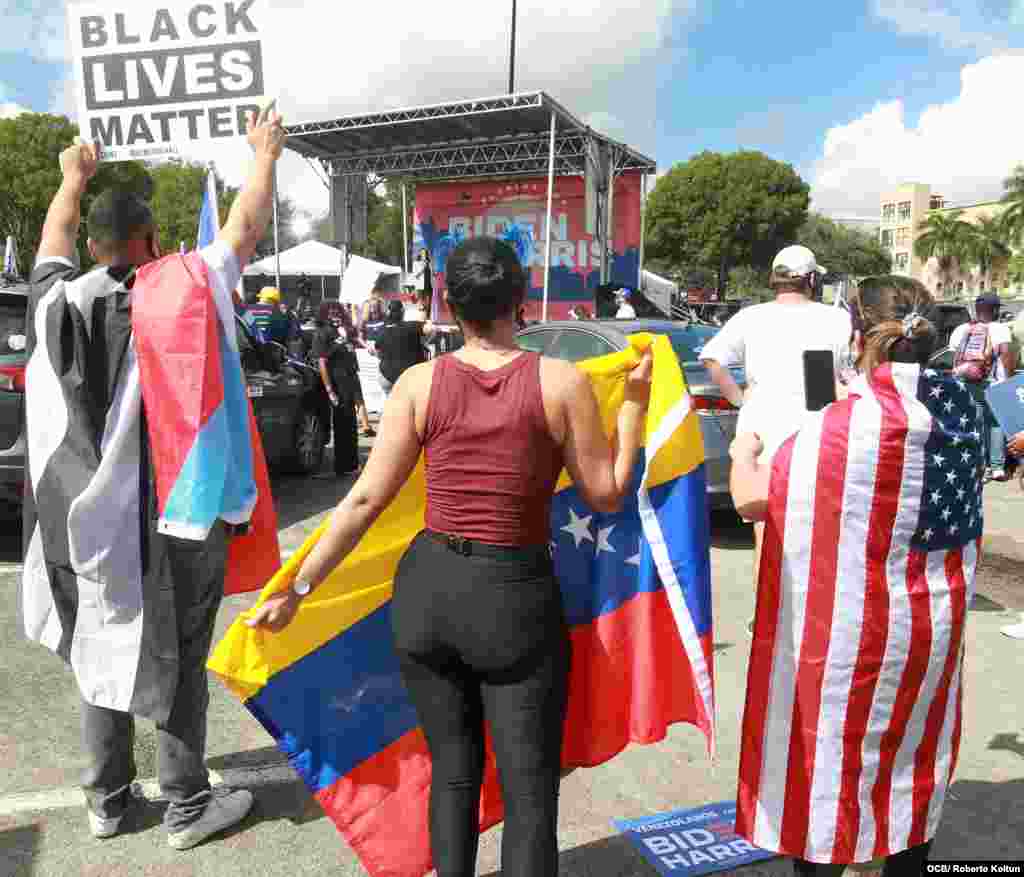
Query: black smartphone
x=819 y=379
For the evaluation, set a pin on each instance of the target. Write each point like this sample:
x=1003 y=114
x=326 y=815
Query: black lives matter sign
x=156 y=79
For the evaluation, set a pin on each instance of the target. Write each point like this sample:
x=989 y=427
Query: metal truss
x=526 y=156
x=459 y=109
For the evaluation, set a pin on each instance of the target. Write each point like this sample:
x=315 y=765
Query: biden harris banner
x=157 y=78
x=692 y=842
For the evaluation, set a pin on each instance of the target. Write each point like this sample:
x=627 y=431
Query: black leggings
x=909 y=863
x=485 y=639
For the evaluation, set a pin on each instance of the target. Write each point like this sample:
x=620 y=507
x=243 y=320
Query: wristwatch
x=301 y=588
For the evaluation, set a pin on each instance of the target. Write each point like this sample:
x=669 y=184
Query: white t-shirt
x=998 y=333
x=625 y=312
x=769 y=341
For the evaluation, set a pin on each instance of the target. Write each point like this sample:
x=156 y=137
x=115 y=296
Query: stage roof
x=499 y=136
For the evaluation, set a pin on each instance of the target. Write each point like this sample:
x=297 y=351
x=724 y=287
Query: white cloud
x=964 y=148
x=9 y=110
x=327 y=59
x=959 y=25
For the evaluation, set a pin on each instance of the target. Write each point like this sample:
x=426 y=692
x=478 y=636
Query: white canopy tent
x=310 y=257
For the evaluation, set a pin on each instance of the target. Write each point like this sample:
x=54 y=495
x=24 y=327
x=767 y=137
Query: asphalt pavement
x=43 y=831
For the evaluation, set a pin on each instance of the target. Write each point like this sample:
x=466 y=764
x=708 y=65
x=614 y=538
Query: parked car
x=13 y=298
x=577 y=340
x=292 y=410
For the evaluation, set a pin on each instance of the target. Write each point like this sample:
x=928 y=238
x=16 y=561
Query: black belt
x=467 y=547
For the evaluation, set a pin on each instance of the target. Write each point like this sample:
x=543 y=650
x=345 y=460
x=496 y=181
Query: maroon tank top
x=491 y=463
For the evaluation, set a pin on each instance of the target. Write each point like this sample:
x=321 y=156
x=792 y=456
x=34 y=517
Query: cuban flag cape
x=94 y=586
x=637 y=594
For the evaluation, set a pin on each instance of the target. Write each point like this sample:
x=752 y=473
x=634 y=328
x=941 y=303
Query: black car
x=292 y=410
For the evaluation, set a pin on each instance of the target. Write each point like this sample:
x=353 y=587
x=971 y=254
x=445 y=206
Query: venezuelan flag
x=637 y=595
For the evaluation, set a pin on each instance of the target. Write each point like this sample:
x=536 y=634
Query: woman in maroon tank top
x=477 y=614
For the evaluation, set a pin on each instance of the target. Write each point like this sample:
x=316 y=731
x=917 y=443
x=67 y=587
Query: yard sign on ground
x=692 y=842
x=155 y=79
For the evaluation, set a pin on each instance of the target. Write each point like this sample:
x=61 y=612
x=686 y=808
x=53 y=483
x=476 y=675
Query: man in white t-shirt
x=626 y=310
x=768 y=341
x=986 y=310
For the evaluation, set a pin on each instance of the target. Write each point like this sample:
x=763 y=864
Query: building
x=904 y=209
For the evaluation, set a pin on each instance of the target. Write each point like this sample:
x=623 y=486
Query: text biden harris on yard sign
x=155 y=78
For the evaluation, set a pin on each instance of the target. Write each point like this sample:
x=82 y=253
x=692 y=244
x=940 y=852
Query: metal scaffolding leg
x=643 y=229
x=277 y=237
x=547 y=223
x=405 y=233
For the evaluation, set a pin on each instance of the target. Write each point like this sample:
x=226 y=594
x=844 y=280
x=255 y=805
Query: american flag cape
x=852 y=721
x=636 y=589
x=94 y=586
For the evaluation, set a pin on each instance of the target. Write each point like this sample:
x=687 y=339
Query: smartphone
x=819 y=379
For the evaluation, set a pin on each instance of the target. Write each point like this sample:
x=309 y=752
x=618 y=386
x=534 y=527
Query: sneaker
x=999 y=475
x=102 y=827
x=222 y=812
x=1014 y=631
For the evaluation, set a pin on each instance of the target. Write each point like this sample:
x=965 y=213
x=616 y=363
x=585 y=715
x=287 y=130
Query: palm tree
x=1013 y=216
x=988 y=244
x=946 y=237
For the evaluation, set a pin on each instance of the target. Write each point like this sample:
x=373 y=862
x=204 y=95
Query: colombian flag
x=637 y=596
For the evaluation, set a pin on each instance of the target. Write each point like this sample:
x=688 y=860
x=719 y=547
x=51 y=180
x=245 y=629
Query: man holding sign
x=125 y=568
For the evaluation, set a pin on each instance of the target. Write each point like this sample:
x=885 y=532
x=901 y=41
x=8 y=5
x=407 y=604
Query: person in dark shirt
x=400 y=345
x=339 y=370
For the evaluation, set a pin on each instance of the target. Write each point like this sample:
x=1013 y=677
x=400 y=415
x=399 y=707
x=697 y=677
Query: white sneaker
x=222 y=812
x=104 y=827
x=1014 y=631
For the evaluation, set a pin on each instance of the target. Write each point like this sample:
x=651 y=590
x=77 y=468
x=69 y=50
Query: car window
x=12 y=323
x=688 y=343
x=536 y=342
x=576 y=346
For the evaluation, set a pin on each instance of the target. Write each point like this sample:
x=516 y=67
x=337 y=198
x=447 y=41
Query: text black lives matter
x=152 y=64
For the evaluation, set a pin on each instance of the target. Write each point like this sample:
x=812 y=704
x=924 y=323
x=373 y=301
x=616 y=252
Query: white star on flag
x=939 y=459
x=928 y=535
x=945 y=514
x=634 y=560
x=966 y=456
x=964 y=420
x=951 y=477
x=948 y=405
x=579 y=528
x=936 y=392
x=936 y=497
x=602 y=539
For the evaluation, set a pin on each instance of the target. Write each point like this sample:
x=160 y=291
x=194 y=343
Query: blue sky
x=857 y=94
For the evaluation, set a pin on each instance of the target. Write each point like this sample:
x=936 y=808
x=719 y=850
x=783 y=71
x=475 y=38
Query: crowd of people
x=478 y=624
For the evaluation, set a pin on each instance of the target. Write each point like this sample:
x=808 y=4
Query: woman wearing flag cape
x=873 y=523
x=477 y=617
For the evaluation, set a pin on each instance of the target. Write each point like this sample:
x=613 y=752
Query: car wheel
x=310 y=440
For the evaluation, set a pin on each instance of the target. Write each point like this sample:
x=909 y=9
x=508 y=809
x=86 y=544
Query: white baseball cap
x=796 y=261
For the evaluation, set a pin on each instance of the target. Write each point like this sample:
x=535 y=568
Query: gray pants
x=196 y=571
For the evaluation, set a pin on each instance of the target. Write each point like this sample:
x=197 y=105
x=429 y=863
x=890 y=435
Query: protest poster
x=156 y=79
x=686 y=843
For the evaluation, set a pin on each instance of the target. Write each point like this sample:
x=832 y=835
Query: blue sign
x=691 y=842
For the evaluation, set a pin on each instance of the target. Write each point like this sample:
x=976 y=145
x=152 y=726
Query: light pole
x=512 y=54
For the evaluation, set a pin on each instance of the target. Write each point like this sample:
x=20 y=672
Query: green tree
x=178 y=191
x=946 y=237
x=1013 y=217
x=1015 y=269
x=748 y=282
x=987 y=245
x=844 y=251
x=718 y=211
x=30 y=146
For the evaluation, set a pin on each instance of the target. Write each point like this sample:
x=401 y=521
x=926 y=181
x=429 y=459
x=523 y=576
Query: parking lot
x=42 y=825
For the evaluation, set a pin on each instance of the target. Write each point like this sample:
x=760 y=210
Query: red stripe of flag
x=762 y=651
x=817 y=632
x=914 y=673
x=924 y=762
x=875 y=620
